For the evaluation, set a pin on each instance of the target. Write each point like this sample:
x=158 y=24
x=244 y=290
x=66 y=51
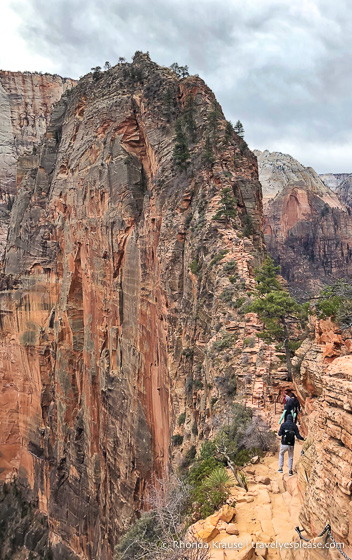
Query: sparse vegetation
x=217 y=258
x=336 y=302
x=226 y=341
x=181 y=152
x=181 y=419
x=180 y=71
x=208 y=154
x=276 y=308
x=239 y=129
x=227 y=206
x=229 y=130
x=230 y=267
x=248 y=226
x=177 y=440
x=154 y=534
x=97 y=74
x=195 y=267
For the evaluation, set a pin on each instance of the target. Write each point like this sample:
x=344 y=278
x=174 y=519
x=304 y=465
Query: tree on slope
x=276 y=308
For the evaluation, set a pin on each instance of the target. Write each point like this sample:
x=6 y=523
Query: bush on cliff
x=335 y=302
x=154 y=534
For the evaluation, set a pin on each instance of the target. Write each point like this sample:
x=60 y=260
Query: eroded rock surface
x=324 y=383
x=115 y=291
x=26 y=101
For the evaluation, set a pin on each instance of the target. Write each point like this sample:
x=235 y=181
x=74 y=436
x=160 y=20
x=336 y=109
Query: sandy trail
x=268 y=512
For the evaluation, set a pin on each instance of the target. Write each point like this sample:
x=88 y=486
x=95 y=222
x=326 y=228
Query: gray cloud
x=282 y=67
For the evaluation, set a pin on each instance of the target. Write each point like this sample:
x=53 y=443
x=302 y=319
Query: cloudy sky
x=281 y=66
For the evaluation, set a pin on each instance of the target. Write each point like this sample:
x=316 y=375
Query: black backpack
x=288 y=437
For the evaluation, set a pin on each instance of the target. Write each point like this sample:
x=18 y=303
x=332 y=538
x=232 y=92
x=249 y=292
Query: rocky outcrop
x=121 y=300
x=308 y=229
x=26 y=100
x=324 y=382
x=341 y=184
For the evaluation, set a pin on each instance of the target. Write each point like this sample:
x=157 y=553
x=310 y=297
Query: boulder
x=231 y=529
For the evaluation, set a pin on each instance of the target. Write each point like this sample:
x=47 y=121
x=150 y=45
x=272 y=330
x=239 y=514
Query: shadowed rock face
x=308 y=229
x=100 y=305
x=26 y=100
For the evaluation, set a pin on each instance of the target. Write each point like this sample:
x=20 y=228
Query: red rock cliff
x=115 y=290
x=308 y=229
x=324 y=383
x=26 y=100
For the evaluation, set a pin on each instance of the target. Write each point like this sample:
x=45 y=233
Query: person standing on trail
x=296 y=407
x=288 y=431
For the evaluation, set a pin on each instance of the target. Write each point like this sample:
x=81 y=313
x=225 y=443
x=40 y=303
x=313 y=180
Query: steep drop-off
x=121 y=298
x=26 y=100
x=308 y=229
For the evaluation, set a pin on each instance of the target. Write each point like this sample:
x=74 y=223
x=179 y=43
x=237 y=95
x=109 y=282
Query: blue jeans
x=283 y=449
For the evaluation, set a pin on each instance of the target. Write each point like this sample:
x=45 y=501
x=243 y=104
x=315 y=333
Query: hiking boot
x=290 y=473
x=280 y=470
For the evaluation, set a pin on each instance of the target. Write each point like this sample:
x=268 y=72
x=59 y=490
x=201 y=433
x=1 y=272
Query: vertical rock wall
x=102 y=301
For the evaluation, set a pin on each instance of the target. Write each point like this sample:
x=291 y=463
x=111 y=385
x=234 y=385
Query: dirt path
x=268 y=512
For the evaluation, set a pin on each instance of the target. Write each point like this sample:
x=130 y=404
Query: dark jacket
x=289 y=425
x=289 y=404
x=296 y=405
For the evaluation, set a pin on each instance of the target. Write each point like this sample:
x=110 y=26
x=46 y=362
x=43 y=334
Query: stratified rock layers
x=26 y=100
x=324 y=383
x=99 y=305
x=308 y=229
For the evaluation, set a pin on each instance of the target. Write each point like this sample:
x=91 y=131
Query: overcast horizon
x=283 y=69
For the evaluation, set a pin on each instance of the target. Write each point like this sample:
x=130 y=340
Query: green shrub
x=250 y=341
x=177 y=440
x=238 y=302
x=226 y=341
x=194 y=429
x=211 y=490
x=227 y=295
x=181 y=419
x=230 y=266
x=217 y=258
x=195 y=267
x=198 y=384
x=145 y=529
x=248 y=227
x=188 y=459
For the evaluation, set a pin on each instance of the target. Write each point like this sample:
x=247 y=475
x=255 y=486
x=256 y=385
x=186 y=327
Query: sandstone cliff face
x=308 y=229
x=26 y=100
x=115 y=293
x=341 y=184
x=324 y=382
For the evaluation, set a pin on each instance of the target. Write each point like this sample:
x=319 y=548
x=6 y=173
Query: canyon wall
x=341 y=184
x=26 y=100
x=121 y=298
x=324 y=383
x=308 y=228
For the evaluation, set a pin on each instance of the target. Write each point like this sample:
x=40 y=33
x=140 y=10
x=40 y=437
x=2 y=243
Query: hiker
x=287 y=396
x=296 y=407
x=288 y=431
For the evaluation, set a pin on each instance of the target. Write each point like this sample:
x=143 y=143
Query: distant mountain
x=341 y=183
x=308 y=228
